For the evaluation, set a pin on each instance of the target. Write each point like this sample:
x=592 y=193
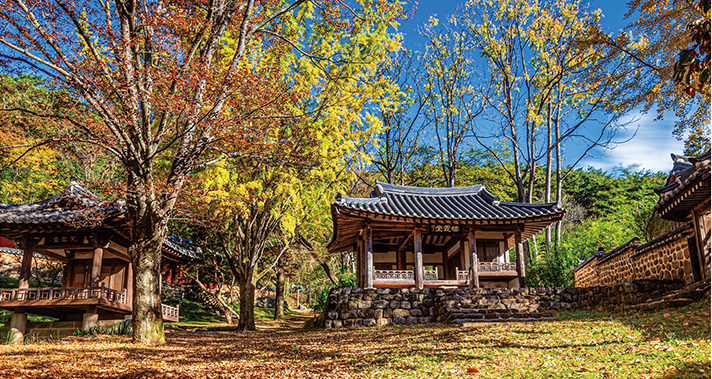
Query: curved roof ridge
x=74 y=191
x=363 y=200
x=382 y=187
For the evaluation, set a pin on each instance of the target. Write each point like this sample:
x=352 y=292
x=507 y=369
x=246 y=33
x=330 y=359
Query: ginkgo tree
x=170 y=88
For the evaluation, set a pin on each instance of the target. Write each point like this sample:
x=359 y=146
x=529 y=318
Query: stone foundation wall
x=666 y=257
x=348 y=307
x=382 y=306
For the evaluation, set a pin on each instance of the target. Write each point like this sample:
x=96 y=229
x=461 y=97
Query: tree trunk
x=145 y=252
x=547 y=185
x=227 y=310
x=279 y=297
x=559 y=179
x=247 y=305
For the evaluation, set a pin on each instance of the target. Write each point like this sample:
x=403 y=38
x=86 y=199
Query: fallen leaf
x=472 y=371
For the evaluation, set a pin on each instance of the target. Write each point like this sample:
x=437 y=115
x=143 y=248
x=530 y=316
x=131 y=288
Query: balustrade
x=497 y=267
x=62 y=293
x=169 y=313
x=393 y=275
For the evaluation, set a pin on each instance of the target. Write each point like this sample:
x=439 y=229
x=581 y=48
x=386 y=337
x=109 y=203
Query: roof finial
x=73 y=181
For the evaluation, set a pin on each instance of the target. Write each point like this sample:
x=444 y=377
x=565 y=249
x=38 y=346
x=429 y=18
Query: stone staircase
x=470 y=306
x=676 y=298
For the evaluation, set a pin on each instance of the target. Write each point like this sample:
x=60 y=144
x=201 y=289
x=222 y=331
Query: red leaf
x=472 y=371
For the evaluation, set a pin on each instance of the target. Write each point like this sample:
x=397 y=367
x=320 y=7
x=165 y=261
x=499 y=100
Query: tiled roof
x=9 y=250
x=459 y=203
x=687 y=185
x=78 y=206
x=183 y=247
x=633 y=243
x=76 y=203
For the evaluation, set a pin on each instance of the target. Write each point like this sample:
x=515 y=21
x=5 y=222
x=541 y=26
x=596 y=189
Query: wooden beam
x=521 y=271
x=50 y=254
x=418 y=247
x=368 y=241
x=474 y=280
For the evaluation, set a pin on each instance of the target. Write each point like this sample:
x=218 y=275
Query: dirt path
x=295 y=321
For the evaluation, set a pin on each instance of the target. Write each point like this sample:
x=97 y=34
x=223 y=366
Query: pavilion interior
x=394 y=250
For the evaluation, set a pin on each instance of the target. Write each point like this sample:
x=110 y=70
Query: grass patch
x=195 y=315
x=585 y=345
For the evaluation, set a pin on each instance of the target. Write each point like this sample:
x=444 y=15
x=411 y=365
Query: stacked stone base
x=379 y=307
x=351 y=307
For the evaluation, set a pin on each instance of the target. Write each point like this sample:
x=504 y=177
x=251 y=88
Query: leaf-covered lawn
x=665 y=344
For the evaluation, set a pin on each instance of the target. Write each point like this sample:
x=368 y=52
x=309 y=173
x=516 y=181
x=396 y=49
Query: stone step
x=469 y=323
x=660 y=304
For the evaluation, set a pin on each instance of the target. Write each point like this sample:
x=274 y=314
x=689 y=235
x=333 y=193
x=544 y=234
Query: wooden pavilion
x=90 y=235
x=436 y=237
x=685 y=198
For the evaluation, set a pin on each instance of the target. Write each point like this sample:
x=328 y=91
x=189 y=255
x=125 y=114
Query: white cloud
x=649 y=149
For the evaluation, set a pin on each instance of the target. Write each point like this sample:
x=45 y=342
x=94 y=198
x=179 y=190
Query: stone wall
x=383 y=306
x=349 y=307
x=666 y=257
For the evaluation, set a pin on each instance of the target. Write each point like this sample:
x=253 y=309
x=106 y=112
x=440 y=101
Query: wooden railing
x=497 y=266
x=463 y=276
x=170 y=313
x=431 y=274
x=393 y=275
x=62 y=293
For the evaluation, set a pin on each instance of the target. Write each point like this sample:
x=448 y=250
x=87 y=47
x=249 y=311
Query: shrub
x=557 y=270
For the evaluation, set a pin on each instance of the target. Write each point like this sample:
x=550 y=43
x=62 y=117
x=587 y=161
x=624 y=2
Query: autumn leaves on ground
x=672 y=343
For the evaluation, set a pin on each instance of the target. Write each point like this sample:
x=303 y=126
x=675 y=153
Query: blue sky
x=652 y=141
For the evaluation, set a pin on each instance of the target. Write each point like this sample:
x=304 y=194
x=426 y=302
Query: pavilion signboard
x=438 y=228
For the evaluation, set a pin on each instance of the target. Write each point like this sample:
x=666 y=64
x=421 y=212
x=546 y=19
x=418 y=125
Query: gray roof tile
x=76 y=205
x=459 y=203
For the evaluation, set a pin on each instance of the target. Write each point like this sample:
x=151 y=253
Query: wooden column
x=25 y=269
x=474 y=267
x=96 y=262
x=359 y=263
x=418 y=250
x=368 y=241
x=401 y=261
x=521 y=272
x=464 y=253
x=68 y=275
